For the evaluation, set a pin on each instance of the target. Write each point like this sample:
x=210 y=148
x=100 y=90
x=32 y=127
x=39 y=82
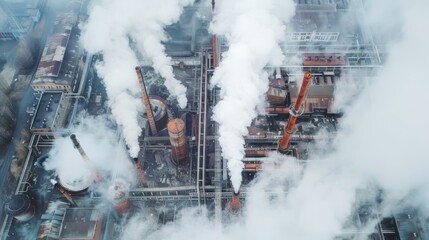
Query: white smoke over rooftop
x=111 y=28
x=254 y=30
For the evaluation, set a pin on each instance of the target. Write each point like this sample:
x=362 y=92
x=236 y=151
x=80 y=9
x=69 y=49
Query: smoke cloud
x=113 y=29
x=382 y=142
x=100 y=143
x=254 y=30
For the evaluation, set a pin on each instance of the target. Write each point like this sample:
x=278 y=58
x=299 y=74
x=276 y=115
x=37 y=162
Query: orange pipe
x=141 y=174
x=290 y=127
x=66 y=195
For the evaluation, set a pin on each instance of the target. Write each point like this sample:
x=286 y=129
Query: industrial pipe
x=146 y=103
x=66 y=195
x=295 y=112
x=141 y=173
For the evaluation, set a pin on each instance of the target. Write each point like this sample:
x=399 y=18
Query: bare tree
x=21 y=151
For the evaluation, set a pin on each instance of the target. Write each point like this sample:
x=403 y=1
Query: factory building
x=61 y=63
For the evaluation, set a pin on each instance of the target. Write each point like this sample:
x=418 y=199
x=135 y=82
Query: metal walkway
x=201 y=138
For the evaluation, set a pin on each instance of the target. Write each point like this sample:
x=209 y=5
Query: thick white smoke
x=254 y=30
x=111 y=28
x=100 y=143
x=382 y=141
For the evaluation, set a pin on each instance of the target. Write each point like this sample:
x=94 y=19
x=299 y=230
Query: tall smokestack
x=77 y=145
x=295 y=112
x=146 y=103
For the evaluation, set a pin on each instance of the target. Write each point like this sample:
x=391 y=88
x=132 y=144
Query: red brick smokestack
x=146 y=103
x=295 y=112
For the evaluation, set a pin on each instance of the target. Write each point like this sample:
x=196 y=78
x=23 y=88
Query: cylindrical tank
x=159 y=109
x=119 y=192
x=75 y=185
x=20 y=207
x=176 y=131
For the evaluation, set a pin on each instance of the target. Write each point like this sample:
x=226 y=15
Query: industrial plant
x=180 y=162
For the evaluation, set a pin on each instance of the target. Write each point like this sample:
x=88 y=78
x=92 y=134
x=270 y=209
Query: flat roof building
x=81 y=224
x=50 y=113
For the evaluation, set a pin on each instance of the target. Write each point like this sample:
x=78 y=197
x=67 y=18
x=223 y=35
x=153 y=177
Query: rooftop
x=46 y=109
x=81 y=223
x=56 y=45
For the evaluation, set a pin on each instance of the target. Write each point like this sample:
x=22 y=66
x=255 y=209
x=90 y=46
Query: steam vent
x=259 y=116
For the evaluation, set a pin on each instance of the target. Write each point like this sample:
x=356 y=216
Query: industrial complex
x=180 y=161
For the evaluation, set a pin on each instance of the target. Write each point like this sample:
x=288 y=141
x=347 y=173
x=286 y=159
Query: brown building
x=81 y=224
x=62 y=60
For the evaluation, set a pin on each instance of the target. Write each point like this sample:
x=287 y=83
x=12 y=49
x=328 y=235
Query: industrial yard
x=143 y=137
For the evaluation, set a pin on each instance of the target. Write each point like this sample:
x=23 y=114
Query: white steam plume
x=383 y=142
x=111 y=27
x=100 y=143
x=254 y=30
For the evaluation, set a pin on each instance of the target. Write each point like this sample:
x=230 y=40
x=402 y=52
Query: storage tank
x=159 y=109
x=118 y=191
x=176 y=131
x=20 y=207
x=75 y=185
